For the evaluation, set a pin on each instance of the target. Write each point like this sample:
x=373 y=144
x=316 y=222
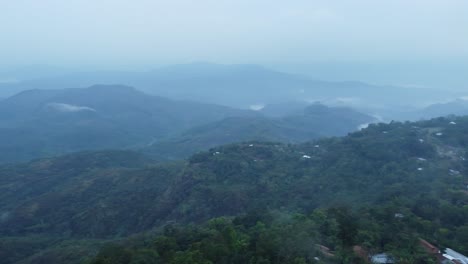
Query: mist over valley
x=233 y=132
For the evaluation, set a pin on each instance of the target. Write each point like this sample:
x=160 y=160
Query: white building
x=455 y=257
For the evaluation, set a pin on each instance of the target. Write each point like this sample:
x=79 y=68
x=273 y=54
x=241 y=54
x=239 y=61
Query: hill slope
x=41 y=123
x=417 y=169
x=373 y=164
x=314 y=122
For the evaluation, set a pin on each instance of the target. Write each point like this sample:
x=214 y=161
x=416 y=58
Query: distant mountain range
x=39 y=123
x=111 y=163
x=42 y=123
x=239 y=86
x=456 y=107
x=315 y=121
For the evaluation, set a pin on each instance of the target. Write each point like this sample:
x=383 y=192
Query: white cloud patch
x=62 y=107
x=363 y=126
x=257 y=107
x=339 y=101
x=377 y=118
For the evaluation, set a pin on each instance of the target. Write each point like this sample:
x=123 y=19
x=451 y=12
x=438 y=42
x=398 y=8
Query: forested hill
x=417 y=170
x=44 y=123
x=314 y=121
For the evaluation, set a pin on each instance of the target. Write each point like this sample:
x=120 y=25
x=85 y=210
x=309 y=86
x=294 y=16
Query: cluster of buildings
x=449 y=256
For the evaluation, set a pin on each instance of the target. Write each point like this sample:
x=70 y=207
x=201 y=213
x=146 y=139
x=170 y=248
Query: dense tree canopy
x=380 y=189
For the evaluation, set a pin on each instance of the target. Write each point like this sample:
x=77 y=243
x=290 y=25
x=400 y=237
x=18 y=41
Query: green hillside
x=336 y=192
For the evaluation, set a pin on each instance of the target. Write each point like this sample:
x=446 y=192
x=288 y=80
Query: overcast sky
x=151 y=32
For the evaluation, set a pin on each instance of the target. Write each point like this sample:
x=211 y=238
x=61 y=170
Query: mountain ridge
x=215 y=83
x=44 y=122
x=314 y=122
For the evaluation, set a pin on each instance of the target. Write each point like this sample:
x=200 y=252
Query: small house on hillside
x=450 y=256
x=431 y=249
x=382 y=258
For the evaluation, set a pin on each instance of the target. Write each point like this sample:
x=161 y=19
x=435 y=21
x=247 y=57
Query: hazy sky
x=151 y=32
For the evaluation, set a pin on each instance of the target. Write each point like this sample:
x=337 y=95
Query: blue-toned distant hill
x=313 y=122
x=237 y=86
x=457 y=107
x=42 y=123
x=38 y=123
